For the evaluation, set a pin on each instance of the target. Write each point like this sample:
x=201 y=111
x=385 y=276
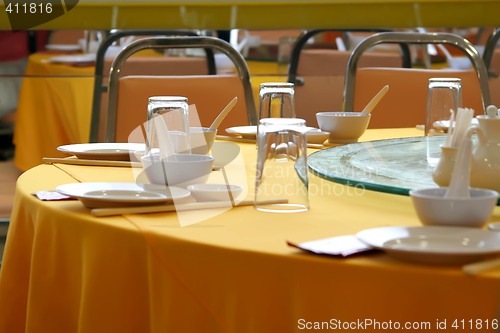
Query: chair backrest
x=407 y=93
x=318 y=74
x=65 y=36
x=210 y=94
x=404 y=104
x=202 y=90
x=320 y=79
x=490 y=47
x=494 y=77
x=137 y=66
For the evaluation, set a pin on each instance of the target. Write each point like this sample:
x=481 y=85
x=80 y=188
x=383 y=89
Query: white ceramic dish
x=443 y=125
x=494 y=226
x=249 y=132
x=214 y=192
x=433 y=208
x=433 y=244
x=180 y=169
x=74 y=59
x=344 y=127
x=102 y=151
x=313 y=135
x=63 y=47
x=316 y=136
x=109 y=194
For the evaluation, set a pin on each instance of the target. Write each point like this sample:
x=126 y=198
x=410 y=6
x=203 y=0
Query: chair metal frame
x=489 y=48
x=414 y=38
x=305 y=37
x=174 y=42
x=112 y=38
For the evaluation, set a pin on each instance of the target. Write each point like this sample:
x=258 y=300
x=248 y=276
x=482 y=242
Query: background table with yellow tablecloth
x=67 y=271
x=55 y=105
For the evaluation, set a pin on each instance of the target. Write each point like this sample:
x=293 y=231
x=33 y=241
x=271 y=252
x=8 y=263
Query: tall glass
x=282 y=166
x=443 y=96
x=168 y=125
x=276 y=100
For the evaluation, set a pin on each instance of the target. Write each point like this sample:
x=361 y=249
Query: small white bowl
x=316 y=136
x=180 y=169
x=201 y=139
x=214 y=192
x=434 y=209
x=344 y=127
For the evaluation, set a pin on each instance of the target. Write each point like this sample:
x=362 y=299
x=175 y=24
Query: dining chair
x=490 y=47
x=65 y=36
x=141 y=65
x=491 y=57
x=405 y=103
x=128 y=96
x=318 y=73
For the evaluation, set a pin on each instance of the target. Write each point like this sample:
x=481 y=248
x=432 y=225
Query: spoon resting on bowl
x=220 y=117
x=374 y=101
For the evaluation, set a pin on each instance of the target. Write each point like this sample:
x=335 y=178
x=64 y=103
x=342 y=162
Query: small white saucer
x=214 y=192
x=494 y=226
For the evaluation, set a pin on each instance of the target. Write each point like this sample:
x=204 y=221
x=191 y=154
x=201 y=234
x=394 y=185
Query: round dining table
x=67 y=270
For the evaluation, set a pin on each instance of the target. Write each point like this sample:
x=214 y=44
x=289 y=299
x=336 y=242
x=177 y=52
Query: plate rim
x=234 y=130
x=64 y=149
x=467 y=251
x=63 y=189
x=73 y=58
x=63 y=47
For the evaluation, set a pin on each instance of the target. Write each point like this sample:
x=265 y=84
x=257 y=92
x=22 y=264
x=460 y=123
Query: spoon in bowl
x=373 y=103
x=220 y=117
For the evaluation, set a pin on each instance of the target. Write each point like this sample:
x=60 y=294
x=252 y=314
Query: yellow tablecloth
x=66 y=271
x=55 y=104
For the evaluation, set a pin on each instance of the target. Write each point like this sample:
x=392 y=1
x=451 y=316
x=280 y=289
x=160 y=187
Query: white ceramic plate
x=74 y=59
x=314 y=135
x=433 y=244
x=63 y=47
x=105 y=194
x=494 y=226
x=214 y=192
x=243 y=131
x=442 y=125
x=102 y=151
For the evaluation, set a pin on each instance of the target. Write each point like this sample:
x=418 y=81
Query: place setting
x=171 y=170
x=453 y=215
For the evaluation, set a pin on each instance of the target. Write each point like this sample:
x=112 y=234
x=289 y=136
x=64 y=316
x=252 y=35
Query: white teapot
x=485 y=168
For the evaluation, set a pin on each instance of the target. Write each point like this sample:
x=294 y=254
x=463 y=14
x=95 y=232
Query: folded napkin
x=51 y=196
x=340 y=246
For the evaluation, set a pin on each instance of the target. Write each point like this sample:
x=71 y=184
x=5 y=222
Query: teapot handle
x=479 y=132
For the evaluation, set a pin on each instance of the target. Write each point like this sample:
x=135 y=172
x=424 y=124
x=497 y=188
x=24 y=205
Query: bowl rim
x=422 y=193
x=342 y=114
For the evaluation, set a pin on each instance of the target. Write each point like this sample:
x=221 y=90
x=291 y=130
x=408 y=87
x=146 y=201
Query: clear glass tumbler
x=171 y=131
x=282 y=166
x=276 y=100
x=443 y=96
